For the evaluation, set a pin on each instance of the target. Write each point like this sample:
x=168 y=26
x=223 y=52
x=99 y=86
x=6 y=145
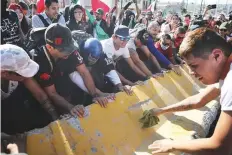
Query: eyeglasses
x=123 y=38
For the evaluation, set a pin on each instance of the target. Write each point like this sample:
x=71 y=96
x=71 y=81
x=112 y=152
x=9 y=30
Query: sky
x=199 y=1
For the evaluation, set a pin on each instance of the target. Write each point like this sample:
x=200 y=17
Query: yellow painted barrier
x=116 y=130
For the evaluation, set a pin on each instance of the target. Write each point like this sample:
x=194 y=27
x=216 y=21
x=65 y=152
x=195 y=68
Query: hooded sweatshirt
x=81 y=25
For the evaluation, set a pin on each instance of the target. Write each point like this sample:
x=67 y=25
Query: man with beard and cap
x=11 y=32
x=149 y=16
x=209 y=59
x=106 y=26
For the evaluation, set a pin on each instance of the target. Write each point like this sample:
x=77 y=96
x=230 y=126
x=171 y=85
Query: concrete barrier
x=116 y=130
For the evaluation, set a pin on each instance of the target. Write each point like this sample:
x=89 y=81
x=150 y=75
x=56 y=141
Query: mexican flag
x=103 y=4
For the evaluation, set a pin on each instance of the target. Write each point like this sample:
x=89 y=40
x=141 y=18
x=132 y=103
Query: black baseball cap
x=59 y=36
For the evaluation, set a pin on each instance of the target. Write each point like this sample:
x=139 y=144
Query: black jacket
x=108 y=30
x=82 y=25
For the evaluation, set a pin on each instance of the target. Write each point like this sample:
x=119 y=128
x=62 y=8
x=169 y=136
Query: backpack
x=80 y=36
x=35 y=38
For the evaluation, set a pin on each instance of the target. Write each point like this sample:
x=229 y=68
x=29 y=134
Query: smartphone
x=214 y=6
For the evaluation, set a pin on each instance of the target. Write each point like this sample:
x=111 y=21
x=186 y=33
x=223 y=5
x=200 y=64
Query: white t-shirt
x=110 y=51
x=226 y=92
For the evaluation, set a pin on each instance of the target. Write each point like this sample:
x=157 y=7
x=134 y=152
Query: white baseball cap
x=15 y=59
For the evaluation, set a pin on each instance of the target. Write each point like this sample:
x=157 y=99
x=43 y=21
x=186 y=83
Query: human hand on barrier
x=161 y=146
x=109 y=96
x=157 y=75
x=101 y=100
x=78 y=110
x=126 y=89
x=138 y=83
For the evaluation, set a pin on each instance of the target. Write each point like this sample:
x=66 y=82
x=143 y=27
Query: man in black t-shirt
x=11 y=32
x=101 y=67
x=58 y=60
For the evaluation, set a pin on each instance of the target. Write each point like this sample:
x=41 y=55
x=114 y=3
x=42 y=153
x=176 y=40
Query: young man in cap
x=210 y=60
x=149 y=16
x=106 y=26
x=58 y=60
x=115 y=48
x=21 y=96
x=225 y=31
x=49 y=16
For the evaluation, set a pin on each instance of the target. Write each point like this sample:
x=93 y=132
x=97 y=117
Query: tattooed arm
x=193 y=102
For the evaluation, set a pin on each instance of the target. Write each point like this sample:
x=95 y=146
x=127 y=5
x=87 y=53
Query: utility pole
x=187 y=6
x=228 y=7
x=216 y=7
x=201 y=6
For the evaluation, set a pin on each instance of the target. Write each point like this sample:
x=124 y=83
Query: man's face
x=56 y=53
x=8 y=75
x=159 y=18
x=154 y=31
x=99 y=16
x=206 y=70
x=166 y=42
x=187 y=20
x=33 y=11
x=53 y=10
x=179 y=36
x=222 y=32
x=120 y=41
x=149 y=16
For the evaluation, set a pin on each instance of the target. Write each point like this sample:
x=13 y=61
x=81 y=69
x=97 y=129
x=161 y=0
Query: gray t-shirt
x=131 y=45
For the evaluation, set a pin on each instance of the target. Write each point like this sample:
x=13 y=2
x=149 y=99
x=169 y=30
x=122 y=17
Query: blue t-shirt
x=159 y=56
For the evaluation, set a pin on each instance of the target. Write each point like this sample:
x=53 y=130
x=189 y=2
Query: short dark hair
x=180 y=30
x=174 y=15
x=23 y=5
x=188 y=16
x=32 y=5
x=48 y=3
x=142 y=35
x=201 y=42
x=166 y=36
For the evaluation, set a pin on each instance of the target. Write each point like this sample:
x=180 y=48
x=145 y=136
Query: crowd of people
x=54 y=63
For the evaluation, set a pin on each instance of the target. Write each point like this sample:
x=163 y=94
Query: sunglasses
x=123 y=38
